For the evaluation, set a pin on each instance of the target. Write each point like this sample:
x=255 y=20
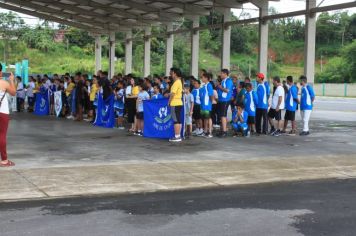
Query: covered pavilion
x=106 y=17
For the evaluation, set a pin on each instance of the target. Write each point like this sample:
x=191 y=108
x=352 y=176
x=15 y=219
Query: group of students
x=206 y=101
x=252 y=108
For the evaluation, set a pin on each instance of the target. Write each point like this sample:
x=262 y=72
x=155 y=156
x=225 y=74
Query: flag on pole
x=42 y=103
x=58 y=102
x=105 y=114
x=158 y=122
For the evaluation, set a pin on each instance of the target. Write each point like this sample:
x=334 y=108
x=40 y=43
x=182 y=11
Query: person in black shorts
x=277 y=105
x=292 y=101
x=196 y=109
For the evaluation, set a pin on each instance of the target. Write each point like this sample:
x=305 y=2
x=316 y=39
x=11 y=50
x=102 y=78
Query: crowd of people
x=205 y=100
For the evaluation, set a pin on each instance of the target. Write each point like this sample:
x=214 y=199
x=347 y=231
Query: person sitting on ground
x=119 y=104
x=251 y=101
x=277 y=105
x=306 y=104
x=142 y=96
x=292 y=101
x=157 y=92
x=239 y=121
x=206 y=97
x=188 y=108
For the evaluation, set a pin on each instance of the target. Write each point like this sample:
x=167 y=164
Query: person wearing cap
x=224 y=97
x=261 y=106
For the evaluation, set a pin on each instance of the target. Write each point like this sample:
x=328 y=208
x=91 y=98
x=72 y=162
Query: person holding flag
x=176 y=103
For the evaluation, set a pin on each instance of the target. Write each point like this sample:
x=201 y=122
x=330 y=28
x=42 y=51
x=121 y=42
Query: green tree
x=10 y=25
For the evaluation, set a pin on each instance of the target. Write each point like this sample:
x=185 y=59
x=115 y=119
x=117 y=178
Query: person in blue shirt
x=206 y=98
x=250 y=106
x=268 y=88
x=142 y=96
x=292 y=101
x=119 y=104
x=156 y=92
x=306 y=103
x=196 y=109
x=239 y=120
x=224 y=88
x=262 y=105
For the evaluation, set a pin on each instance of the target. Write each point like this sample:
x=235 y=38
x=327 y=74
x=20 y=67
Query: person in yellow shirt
x=93 y=91
x=70 y=86
x=176 y=102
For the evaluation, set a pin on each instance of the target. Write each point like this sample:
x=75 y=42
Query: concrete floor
x=310 y=208
x=58 y=158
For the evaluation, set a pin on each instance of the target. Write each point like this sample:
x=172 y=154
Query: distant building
x=59 y=36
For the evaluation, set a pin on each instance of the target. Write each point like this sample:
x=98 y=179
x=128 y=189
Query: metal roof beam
x=45 y=9
x=51 y=18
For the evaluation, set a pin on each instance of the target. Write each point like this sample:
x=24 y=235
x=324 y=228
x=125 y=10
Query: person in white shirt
x=277 y=105
x=20 y=94
x=30 y=95
x=10 y=88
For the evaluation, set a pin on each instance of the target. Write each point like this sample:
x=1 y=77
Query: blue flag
x=42 y=102
x=158 y=122
x=74 y=101
x=105 y=113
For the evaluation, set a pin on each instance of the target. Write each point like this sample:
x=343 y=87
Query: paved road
x=286 y=209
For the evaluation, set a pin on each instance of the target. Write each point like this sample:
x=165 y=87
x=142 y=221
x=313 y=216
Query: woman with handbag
x=5 y=87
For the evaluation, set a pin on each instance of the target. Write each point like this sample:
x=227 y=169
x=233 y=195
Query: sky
x=282 y=6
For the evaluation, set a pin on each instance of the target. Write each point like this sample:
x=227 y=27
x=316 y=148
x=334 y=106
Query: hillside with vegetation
x=335 y=49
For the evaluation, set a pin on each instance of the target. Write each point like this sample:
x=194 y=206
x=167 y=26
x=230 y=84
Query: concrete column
x=309 y=48
x=128 y=53
x=194 y=63
x=169 y=49
x=226 y=41
x=97 y=53
x=111 y=55
x=147 y=53
x=263 y=39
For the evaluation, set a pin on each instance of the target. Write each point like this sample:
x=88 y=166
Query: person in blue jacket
x=306 y=104
x=292 y=101
x=206 y=98
x=262 y=105
x=239 y=120
x=224 y=87
x=251 y=102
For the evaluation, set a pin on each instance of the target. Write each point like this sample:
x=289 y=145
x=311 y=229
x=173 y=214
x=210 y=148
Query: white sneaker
x=121 y=128
x=70 y=117
x=216 y=126
x=200 y=132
